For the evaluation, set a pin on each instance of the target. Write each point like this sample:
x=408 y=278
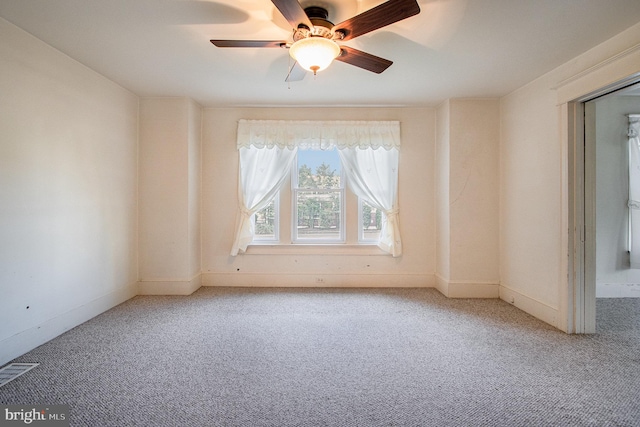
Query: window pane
x=318 y=214
x=319 y=169
x=265 y=222
x=371 y=222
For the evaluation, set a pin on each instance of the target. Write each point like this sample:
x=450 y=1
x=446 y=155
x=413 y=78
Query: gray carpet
x=310 y=357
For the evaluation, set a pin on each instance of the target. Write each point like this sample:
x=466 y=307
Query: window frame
x=295 y=190
x=262 y=240
x=285 y=221
x=361 y=237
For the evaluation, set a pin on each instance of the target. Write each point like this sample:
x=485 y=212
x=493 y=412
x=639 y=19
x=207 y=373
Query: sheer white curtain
x=373 y=176
x=267 y=150
x=634 y=189
x=262 y=172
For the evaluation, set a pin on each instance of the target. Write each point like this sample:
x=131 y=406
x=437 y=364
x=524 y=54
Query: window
x=318 y=197
x=369 y=222
x=317 y=158
x=318 y=205
x=266 y=223
x=634 y=190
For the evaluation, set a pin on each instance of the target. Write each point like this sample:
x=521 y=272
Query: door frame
x=579 y=120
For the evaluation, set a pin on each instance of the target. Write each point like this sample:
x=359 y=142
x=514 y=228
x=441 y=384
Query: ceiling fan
x=315 y=38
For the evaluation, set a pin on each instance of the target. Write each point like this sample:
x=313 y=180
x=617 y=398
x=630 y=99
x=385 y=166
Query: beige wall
x=304 y=266
x=534 y=176
x=468 y=197
x=530 y=197
x=169 y=173
x=195 y=183
x=68 y=193
x=443 y=223
x=473 y=198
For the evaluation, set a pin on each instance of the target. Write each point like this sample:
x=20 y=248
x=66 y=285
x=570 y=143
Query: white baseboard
x=617 y=290
x=319 y=280
x=27 y=340
x=170 y=287
x=531 y=306
x=467 y=289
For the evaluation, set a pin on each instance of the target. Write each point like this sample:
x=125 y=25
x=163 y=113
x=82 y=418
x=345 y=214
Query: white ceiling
x=453 y=48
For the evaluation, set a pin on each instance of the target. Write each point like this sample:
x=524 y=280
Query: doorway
x=603 y=244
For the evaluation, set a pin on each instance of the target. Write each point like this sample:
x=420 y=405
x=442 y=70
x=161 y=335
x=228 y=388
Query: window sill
x=314 y=249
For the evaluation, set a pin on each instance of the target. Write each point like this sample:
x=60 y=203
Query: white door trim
x=579 y=122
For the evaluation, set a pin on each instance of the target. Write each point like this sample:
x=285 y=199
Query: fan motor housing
x=322 y=27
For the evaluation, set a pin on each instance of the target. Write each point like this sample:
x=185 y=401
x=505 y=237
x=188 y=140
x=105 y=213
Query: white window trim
x=262 y=240
x=312 y=249
x=361 y=239
x=353 y=230
x=295 y=239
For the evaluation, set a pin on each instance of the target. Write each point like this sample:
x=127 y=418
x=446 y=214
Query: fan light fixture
x=314 y=53
x=314 y=42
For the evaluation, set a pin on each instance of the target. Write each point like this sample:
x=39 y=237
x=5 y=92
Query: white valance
x=318 y=135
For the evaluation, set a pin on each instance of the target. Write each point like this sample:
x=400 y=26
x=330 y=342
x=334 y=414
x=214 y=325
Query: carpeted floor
x=336 y=357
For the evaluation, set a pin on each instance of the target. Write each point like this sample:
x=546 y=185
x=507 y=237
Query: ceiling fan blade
x=378 y=17
x=296 y=73
x=249 y=43
x=293 y=13
x=363 y=59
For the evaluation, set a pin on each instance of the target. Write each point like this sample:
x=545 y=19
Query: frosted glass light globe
x=314 y=53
